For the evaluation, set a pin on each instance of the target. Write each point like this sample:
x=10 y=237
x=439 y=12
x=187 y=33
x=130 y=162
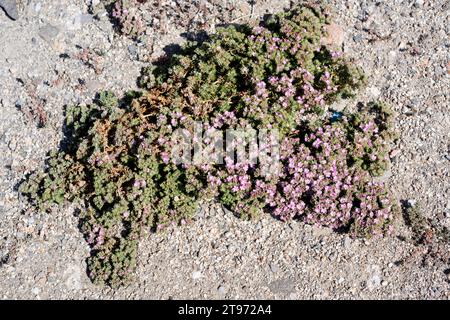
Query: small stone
x=73 y=277
x=48 y=33
x=411 y=203
x=37 y=7
x=282 y=286
x=221 y=291
x=374 y=92
x=85 y=18
x=196 y=275
x=10 y=8
x=80 y=20
x=19 y=103
x=132 y=49
x=274 y=267
x=439 y=71
x=418 y=3
x=392 y=56
x=357 y=38
x=347 y=242
x=384 y=283
x=245 y=8
x=394 y=153
x=373 y=282
x=447 y=213
x=374 y=279
x=335 y=35
x=402 y=46
x=35 y=291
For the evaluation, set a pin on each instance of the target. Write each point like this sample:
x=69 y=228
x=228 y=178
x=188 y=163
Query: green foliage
x=116 y=166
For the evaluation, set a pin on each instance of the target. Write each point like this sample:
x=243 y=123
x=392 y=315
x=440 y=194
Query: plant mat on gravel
x=115 y=160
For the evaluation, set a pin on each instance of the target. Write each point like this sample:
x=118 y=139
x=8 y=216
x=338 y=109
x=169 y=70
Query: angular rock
x=48 y=33
x=282 y=286
x=79 y=21
x=10 y=8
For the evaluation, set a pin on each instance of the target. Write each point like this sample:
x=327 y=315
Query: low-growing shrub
x=117 y=164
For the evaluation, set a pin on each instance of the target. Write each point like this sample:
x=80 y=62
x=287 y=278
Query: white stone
x=374 y=92
x=197 y=275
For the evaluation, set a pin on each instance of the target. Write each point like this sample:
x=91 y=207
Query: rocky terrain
x=57 y=53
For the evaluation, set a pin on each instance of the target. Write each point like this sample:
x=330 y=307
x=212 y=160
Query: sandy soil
x=404 y=47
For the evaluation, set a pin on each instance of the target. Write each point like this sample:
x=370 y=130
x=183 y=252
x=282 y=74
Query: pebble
x=35 y=291
x=373 y=282
x=357 y=38
x=274 y=267
x=411 y=203
x=336 y=35
x=439 y=71
x=48 y=33
x=418 y=3
x=347 y=242
x=10 y=7
x=80 y=20
x=245 y=8
x=447 y=213
x=37 y=7
x=221 y=291
x=374 y=92
x=282 y=286
x=132 y=49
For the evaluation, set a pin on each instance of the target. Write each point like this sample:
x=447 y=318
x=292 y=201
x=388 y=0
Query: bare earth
x=404 y=47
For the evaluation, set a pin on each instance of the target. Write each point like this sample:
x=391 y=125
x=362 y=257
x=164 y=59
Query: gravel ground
x=57 y=54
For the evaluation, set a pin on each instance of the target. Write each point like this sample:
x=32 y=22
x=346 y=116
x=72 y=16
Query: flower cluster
x=320 y=186
x=117 y=166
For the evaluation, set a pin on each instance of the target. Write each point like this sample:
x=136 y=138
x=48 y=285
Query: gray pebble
x=80 y=20
x=411 y=203
x=221 y=291
x=48 y=33
x=274 y=267
x=418 y=3
x=132 y=49
x=10 y=8
x=282 y=286
x=357 y=38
